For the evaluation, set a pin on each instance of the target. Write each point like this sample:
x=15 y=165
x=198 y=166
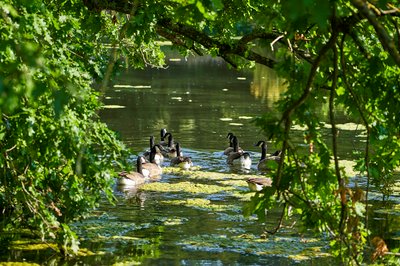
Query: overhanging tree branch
x=223 y=49
x=286 y=117
x=386 y=41
x=240 y=48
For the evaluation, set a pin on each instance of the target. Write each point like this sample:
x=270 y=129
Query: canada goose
x=169 y=145
x=181 y=161
x=230 y=148
x=238 y=158
x=163 y=134
x=276 y=156
x=158 y=158
x=170 y=142
x=172 y=153
x=146 y=154
x=133 y=178
x=151 y=168
x=262 y=163
x=258 y=183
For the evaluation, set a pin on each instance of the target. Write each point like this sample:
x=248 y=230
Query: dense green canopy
x=54 y=150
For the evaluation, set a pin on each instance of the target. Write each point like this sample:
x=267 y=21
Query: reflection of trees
x=266 y=85
x=188 y=98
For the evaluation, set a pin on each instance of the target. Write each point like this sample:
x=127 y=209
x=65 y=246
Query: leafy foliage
x=342 y=53
x=57 y=159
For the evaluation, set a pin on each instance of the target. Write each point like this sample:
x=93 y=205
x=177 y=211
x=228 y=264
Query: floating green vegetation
x=108 y=229
x=347 y=126
x=36 y=245
x=185 y=186
x=202 y=182
x=200 y=203
x=31 y=245
x=234 y=217
x=205 y=175
x=296 y=248
x=114 y=107
x=175 y=221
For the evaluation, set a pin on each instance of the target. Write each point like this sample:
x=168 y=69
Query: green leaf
x=340 y=91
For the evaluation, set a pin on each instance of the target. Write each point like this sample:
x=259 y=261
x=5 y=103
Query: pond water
x=199 y=100
x=196 y=217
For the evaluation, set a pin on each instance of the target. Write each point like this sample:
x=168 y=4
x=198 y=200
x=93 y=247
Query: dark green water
x=198 y=100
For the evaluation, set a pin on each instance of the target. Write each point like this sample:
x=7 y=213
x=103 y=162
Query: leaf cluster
x=57 y=159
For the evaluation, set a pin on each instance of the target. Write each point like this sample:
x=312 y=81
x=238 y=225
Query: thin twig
x=286 y=117
x=364 y=119
x=280 y=221
x=274 y=41
x=340 y=180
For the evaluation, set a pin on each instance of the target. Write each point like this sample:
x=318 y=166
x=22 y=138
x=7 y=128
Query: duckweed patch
x=185 y=186
x=200 y=182
x=108 y=229
x=175 y=221
x=27 y=245
x=231 y=217
x=296 y=248
x=206 y=175
x=200 y=203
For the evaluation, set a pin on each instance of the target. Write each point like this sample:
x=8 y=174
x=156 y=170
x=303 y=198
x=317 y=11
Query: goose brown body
x=133 y=178
x=183 y=162
x=237 y=157
x=151 y=168
x=262 y=164
x=258 y=183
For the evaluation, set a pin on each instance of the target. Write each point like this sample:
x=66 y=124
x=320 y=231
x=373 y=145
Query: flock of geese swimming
x=148 y=165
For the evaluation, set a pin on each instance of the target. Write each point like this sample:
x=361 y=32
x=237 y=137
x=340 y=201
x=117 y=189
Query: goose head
x=229 y=137
x=277 y=153
x=163 y=131
x=170 y=140
x=176 y=151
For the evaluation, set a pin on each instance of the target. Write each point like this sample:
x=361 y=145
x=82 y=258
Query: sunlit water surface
x=199 y=100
